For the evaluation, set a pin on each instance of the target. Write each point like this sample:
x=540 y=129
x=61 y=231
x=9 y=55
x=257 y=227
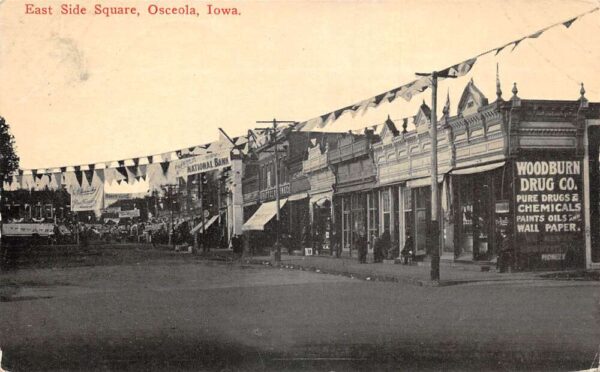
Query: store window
x=346 y=223
x=408 y=212
x=422 y=207
x=386 y=210
x=373 y=216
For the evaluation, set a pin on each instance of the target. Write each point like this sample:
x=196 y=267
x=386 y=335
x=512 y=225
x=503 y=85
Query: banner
x=88 y=199
x=129 y=214
x=27 y=229
x=202 y=163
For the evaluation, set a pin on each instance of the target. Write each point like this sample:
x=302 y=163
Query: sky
x=89 y=89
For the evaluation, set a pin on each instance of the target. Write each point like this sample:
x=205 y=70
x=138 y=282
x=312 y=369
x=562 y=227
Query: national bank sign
x=202 y=163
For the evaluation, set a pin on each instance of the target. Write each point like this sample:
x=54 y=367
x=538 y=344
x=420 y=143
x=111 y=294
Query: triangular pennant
x=63 y=169
x=136 y=161
x=79 y=177
x=462 y=68
x=500 y=49
x=100 y=175
x=34 y=172
x=109 y=175
x=123 y=172
x=121 y=163
x=516 y=43
x=58 y=178
x=142 y=169
x=132 y=171
x=89 y=176
x=568 y=23
x=537 y=34
x=150 y=159
x=165 y=167
x=91 y=166
x=178 y=153
x=326 y=121
x=77 y=168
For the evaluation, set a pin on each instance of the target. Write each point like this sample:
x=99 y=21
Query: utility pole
x=435 y=196
x=201 y=196
x=192 y=211
x=273 y=132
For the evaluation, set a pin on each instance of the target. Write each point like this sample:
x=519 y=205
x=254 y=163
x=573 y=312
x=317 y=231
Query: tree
x=9 y=161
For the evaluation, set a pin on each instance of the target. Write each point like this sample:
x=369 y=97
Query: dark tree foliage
x=9 y=161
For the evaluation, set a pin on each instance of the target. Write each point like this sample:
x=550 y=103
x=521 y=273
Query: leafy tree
x=9 y=161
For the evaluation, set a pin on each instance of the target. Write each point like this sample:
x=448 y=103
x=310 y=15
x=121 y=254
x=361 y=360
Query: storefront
x=403 y=161
x=321 y=179
x=354 y=196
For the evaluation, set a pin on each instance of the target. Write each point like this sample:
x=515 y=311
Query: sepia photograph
x=299 y=185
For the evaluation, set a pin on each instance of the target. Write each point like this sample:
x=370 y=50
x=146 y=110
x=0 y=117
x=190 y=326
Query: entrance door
x=422 y=217
x=594 y=161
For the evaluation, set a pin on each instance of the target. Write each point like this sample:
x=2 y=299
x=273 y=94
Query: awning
x=263 y=215
x=296 y=197
x=477 y=169
x=321 y=198
x=421 y=182
x=208 y=223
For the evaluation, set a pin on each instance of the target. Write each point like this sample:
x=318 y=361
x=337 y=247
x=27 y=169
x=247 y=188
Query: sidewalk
x=450 y=273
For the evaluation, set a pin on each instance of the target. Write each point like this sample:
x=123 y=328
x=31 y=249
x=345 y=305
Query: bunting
x=415 y=87
x=79 y=176
x=100 y=174
x=89 y=175
x=165 y=167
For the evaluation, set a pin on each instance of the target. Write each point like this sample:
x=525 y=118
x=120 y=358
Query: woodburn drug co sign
x=548 y=201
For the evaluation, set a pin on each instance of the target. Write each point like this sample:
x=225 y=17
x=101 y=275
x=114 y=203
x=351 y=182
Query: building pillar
x=401 y=222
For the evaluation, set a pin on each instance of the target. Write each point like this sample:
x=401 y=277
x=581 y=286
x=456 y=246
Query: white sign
x=88 y=199
x=553 y=256
x=129 y=214
x=202 y=163
x=27 y=229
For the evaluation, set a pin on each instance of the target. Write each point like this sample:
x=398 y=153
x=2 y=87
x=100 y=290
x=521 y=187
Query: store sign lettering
x=548 y=198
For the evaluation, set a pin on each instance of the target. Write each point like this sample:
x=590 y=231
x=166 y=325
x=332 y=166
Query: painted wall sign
x=548 y=201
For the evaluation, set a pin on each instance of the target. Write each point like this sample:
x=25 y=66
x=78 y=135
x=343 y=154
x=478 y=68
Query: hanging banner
x=88 y=199
x=27 y=229
x=129 y=214
x=202 y=163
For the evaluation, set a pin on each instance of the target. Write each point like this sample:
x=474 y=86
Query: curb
x=365 y=277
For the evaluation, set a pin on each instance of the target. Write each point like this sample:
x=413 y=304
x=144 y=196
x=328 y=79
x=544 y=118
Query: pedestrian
x=408 y=250
x=361 y=245
x=505 y=258
x=336 y=244
x=236 y=245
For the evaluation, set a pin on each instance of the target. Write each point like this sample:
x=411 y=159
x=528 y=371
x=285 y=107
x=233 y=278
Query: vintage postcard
x=222 y=185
